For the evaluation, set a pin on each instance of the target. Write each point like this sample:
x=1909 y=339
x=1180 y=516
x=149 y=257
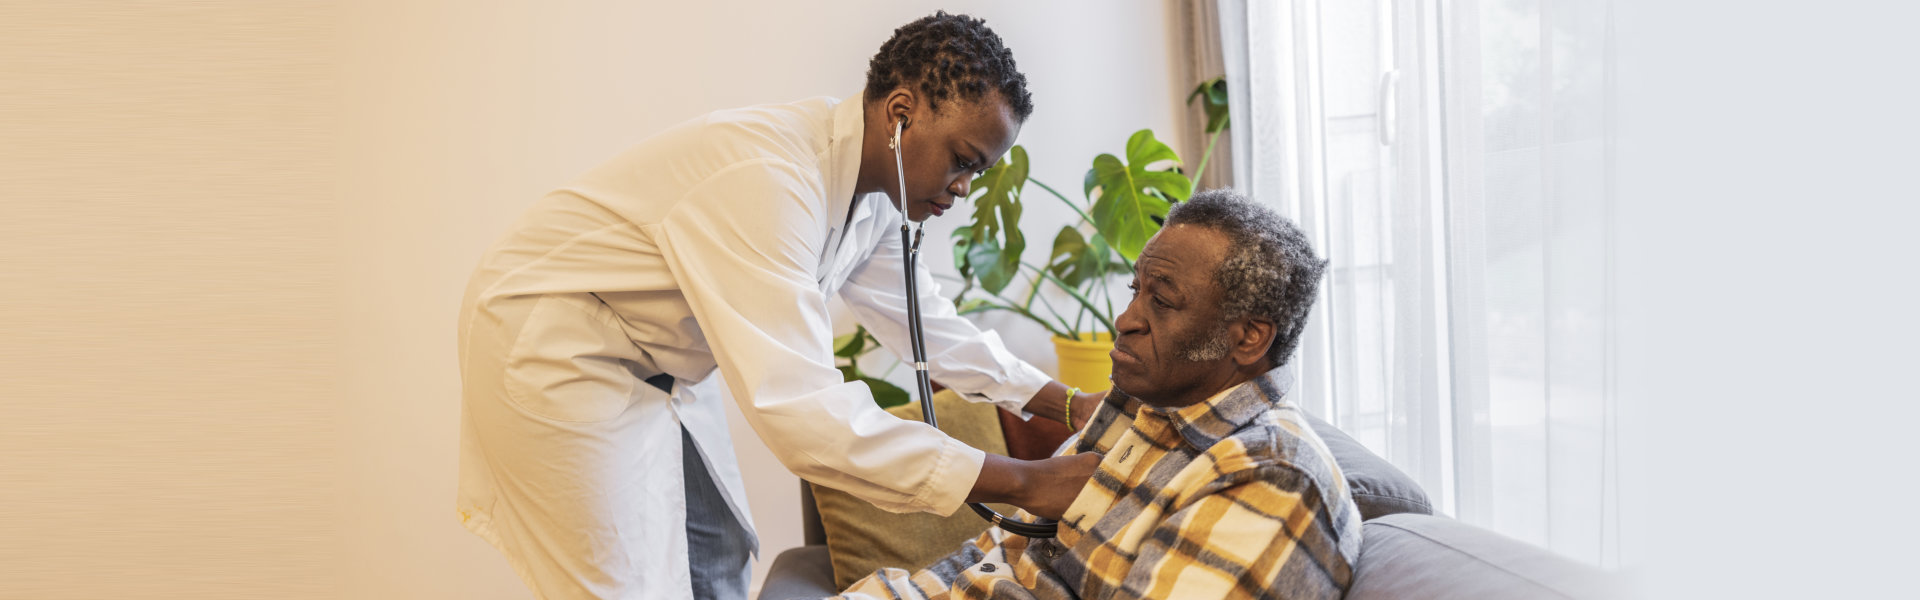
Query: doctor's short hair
x=1270 y=272
x=949 y=57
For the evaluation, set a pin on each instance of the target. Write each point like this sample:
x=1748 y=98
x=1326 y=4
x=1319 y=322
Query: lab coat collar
x=843 y=157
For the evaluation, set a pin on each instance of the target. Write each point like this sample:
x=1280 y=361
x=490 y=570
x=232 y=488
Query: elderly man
x=1211 y=484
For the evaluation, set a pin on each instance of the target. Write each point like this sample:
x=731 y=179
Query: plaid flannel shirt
x=1235 y=497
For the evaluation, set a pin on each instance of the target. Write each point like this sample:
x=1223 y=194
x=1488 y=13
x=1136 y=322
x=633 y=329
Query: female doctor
x=599 y=338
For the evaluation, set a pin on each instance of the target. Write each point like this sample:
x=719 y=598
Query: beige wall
x=167 y=310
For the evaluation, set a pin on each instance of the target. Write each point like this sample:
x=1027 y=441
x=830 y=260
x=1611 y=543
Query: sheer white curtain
x=1450 y=159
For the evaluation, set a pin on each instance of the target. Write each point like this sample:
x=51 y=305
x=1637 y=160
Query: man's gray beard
x=1213 y=346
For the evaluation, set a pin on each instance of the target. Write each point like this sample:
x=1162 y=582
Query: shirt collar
x=843 y=156
x=1206 y=423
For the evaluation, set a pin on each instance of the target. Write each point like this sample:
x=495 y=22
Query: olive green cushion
x=862 y=539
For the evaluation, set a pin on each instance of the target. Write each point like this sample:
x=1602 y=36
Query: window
x=1451 y=161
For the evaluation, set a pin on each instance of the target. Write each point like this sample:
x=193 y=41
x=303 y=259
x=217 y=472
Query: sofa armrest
x=804 y=572
x=811 y=530
x=1422 y=556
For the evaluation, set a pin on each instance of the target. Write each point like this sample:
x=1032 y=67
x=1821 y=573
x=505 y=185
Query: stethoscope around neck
x=1040 y=528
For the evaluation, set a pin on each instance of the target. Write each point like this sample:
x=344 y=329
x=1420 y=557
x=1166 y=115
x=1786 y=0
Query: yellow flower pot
x=1084 y=362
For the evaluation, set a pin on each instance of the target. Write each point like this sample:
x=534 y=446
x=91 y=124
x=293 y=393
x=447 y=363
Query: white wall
x=458 y=116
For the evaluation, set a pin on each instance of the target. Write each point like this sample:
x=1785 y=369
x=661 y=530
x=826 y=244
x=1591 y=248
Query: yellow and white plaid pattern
x=1234 y=497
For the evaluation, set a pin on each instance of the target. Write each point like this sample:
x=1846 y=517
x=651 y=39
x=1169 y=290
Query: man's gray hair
x=1270 y=272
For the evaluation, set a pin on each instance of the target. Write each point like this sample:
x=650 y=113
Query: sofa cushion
x=1379 y=488
x=862 y=538
x=1421 y=556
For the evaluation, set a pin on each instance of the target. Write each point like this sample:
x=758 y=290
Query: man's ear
x=1254 y=338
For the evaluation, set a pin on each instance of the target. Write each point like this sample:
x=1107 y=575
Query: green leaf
x=992 y=278
x=849 y=373
x=1100 y=254
x=852 y=344
x=962 y=242
x=995 y=241
x=1133 y=200
x=1144 y=150
x=1074 y=259
x=885 y=394
x=1214 y=91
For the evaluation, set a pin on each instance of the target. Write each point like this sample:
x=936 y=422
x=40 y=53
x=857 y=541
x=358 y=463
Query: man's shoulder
x=1280 y=439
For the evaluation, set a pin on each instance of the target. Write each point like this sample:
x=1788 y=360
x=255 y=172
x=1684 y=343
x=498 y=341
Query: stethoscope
x=1041 y=528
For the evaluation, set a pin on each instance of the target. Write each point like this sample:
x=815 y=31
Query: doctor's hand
x=1091 y=401
x=1043 y=487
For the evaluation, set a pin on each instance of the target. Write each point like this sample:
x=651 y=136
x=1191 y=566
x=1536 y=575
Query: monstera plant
x=1126 y=198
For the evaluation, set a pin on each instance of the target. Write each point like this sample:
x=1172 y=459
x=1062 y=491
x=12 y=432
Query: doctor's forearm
x=1051 y=403
x=1002 y=479
x=1042 y=487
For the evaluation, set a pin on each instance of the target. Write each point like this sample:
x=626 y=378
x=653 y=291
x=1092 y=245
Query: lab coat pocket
x=572 y=362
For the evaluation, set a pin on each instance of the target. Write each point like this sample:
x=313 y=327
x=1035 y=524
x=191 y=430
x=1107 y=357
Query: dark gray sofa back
x=1378 y=487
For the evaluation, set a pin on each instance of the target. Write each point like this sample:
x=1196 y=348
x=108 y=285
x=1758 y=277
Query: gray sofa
x=1405 y=551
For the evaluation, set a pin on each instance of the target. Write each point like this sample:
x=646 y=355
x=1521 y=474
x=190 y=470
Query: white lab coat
x=710 y=247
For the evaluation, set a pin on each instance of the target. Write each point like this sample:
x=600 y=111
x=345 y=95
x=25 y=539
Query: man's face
x=1173 y=345
x=944 y=150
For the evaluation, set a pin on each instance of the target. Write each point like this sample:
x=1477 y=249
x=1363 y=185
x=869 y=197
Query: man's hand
x=1043 y=487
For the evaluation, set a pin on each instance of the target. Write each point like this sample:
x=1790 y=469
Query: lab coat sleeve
x=972 y=362
x=744 y=246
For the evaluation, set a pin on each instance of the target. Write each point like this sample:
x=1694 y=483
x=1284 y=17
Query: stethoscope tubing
x=1039 y=528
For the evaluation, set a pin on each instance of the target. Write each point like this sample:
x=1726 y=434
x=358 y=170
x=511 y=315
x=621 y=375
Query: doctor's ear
x=899 y=103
